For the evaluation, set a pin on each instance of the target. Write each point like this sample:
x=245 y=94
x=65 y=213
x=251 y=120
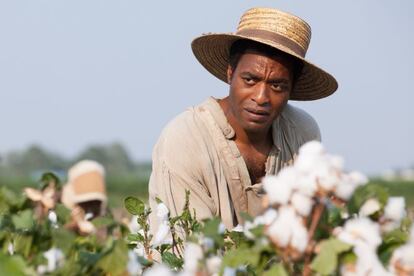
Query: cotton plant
x=319 y=219
x=54 y=257
x=168 y=241
x=301 y=194
x=402 y=260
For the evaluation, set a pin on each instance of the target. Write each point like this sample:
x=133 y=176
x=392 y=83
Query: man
x=220 y=150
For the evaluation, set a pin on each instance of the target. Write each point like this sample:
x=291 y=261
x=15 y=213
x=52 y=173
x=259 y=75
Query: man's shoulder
x=303 y=123
x=188 y=122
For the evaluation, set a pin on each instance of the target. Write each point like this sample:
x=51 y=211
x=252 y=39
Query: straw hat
x=280 y=30
x=86 y=182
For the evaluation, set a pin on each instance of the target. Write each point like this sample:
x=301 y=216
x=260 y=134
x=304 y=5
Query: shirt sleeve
x=178 y=165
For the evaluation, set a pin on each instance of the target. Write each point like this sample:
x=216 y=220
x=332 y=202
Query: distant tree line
x=34 y=160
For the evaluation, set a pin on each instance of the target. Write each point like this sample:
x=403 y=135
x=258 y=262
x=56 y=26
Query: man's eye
x=279 y=87
x=249 y=81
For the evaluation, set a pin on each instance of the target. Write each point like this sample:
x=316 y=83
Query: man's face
x=259 y=90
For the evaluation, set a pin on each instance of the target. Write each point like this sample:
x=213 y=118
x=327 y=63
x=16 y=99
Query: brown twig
x=316 y=217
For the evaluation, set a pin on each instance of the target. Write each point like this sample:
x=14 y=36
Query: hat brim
x=213 y=52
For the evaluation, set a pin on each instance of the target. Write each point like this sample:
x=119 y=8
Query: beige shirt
x=196 y=151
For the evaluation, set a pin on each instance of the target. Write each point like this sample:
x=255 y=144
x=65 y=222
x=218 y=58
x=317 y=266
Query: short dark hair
x=239 y=47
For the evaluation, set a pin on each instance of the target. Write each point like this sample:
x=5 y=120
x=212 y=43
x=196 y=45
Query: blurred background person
x=86 y=188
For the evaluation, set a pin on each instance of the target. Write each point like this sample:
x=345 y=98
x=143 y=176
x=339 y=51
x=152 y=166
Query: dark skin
x=260 y=86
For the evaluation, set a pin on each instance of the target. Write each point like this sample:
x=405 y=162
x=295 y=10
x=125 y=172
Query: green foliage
x=390 y=242
x=23 y=220
x=173 y=261
x=134 y=206
x=13 y=265
x=363 y=193
x=326 y=261
x=276 y=270
x=29 y=234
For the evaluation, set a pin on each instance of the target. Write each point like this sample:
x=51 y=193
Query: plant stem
x=316 y=217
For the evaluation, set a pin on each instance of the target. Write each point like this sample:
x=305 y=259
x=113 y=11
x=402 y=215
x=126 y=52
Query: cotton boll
x=299 y=236
x=229 y=271
x=192 y=255
x=133 y=225
x=162 y=212
x=140 y=250
x=345 y=188
x=390 y=225
x=10 y=248
x=54 y=257
x=267 y=218
x=158 y=269
x=280 y=231
x=307 y=184
x=368 y=262
x=279 y=188
x=302 y=204
x=358 y=178
x=221 y=228
x=312 y=148
x=246 y=229
x=134 y=267
x=308 y=164
x=213 y=265
x=328 y=178
x=370 y=207
x=52 y=217
x=361 y=229
x=403 y=259
x=238 y=228
x=336 y=162
x=208 y=243
x=395 y=208
x=163 y=235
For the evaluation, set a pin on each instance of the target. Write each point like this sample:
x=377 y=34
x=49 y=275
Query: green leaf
x=62 y=213
x=115 y=261
x=135 y=237
x=348 y=258
x=172 y=261
x=103 y=222
x=22 y=244
x=49 y=178
x=12 y=265
x=363 y=193
x=211 y=227
x=334 y=216
x=276 y=270
x=88 y=258
x=240 y=256
x=23 y=220
x=63 y=239
x=134 y=205
x=327 y=260
x=390 y=242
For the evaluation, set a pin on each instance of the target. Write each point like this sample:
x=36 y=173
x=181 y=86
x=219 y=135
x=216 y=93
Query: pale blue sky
x=78 y=72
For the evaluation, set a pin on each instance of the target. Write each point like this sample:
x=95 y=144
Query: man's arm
x=178 y=165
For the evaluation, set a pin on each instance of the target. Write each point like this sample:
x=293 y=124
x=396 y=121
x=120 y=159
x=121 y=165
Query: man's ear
x=229 y=74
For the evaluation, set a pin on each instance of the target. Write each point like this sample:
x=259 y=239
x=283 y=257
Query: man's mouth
x=257 y=114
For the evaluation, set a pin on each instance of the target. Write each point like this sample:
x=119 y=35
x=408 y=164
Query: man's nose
x=261 y=95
